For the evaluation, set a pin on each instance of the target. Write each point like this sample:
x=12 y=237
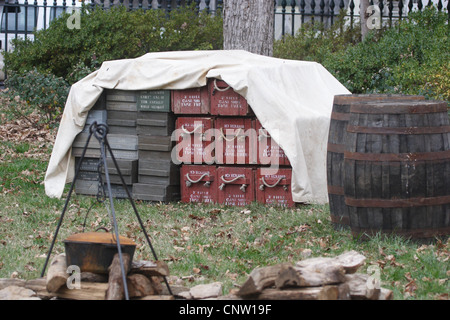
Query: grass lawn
x=200 y=243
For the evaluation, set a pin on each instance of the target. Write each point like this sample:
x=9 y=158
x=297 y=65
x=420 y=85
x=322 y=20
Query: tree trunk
x=248 y=25
x=363 y=16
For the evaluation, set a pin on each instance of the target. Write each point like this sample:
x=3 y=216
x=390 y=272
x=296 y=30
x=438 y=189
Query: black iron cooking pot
x=94 y=251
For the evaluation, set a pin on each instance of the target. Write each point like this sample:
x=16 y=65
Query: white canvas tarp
x=292 y=99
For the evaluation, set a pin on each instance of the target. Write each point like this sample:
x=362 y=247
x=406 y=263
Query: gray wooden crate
x=86 y=187
x=128 y=170
x=154 y=192
x=94 y=115
x=121 y=95
x=113 y=129
x=155 y=143
x=100 y=104
x=122 y=115
x=88 y=164
x=121 y=100
x=158 y=172
x=153 y=130
x=155 y=123
x=88 y=175
x=155 y=155
x=95 y=153
x=121 y=106
x=116 y=141
x=115 y=179
x=122 y=122
x=173 y=179
x=126 y=167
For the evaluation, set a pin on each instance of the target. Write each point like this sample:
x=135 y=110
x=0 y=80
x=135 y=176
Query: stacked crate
x=117 y=109
x=198 y=145
x=194 y=140
x=225 y=152
x=158 y=175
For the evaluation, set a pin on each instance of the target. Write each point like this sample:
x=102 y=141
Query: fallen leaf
x=196 y=270
x=411 y=287
x=444 y=296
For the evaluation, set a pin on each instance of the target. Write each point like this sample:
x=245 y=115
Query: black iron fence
x=19 y=18
x=290 y=14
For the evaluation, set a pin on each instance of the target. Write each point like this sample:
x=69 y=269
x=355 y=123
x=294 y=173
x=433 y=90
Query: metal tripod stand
x=100 y=132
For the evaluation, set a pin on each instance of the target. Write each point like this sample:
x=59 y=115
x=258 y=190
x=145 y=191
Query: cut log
x=386 y=294
x=57 y=273
x=310 y=277
x=350 y=261
x=39 y=286
x=312 y=293
x=6 y=282
x=261 y=278
x=150 y=268
x=17 y=293
x=359 y=290
x=87 y=291
x=141 y=286
x=116 y=288
x=344 y=291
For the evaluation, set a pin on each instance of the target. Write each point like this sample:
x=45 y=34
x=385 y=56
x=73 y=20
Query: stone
x=204 y=291
x=17 y=293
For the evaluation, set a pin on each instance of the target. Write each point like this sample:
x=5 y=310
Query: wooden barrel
x=397 y=169
x=335 y=149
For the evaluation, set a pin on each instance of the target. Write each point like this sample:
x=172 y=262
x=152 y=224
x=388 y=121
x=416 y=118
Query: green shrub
x=411 y=58
x=314 y=42
x=112 y=34
x=44 y=92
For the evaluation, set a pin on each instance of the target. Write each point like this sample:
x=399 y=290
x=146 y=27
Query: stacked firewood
x=144 y=280
x=321 y=278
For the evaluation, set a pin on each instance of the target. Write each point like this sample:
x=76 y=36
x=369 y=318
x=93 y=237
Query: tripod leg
x=65 y=206
x=111 y=202
x=136 y=212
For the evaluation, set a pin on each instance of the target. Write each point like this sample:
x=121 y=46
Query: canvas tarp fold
x=292 y=99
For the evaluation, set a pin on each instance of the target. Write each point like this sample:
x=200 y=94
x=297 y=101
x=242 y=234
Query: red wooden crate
x=193 y=136
x=235 y=186
x=225 y=101
x=273 y=186
x=191 y=101
x=235 y=140
x=198 y=183
x=268 y=150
